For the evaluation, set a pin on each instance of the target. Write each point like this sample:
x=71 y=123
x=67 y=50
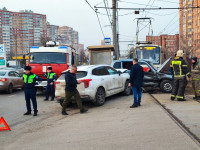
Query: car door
x=116 y=79
x=101 y=73
x=19 y=81
x=150 y=76
x=12 y=78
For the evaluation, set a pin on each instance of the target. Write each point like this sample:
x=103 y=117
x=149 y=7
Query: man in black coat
x=70 y=90
x=136 y=82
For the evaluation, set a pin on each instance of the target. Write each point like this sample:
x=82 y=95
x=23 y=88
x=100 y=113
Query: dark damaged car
x=153 y=77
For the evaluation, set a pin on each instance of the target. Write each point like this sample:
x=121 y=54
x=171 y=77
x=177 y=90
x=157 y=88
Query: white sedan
x=99 y=82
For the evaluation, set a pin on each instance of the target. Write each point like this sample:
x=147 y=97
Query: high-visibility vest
x=50 y=75
x=30 y=79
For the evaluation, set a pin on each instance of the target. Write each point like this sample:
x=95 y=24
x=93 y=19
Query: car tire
x=166 y=86
x=127 y=89
x=10 y=89
x=100 y=97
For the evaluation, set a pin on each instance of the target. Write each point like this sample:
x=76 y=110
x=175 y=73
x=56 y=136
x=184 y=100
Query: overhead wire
x=97 y=18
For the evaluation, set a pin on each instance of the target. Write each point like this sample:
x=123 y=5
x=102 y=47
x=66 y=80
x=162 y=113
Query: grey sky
x=77 y=14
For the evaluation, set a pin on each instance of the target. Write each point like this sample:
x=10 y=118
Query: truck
x=60 y=58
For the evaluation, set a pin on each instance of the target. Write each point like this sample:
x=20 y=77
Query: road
x=112 y=126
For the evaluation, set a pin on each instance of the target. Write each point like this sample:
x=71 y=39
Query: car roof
x=121 y=60
x=85 y=68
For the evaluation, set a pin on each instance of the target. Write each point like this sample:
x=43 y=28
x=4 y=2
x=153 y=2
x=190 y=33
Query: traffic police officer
x=195 y=73
x=29 y=90
x=51 y=78
x=180 y=70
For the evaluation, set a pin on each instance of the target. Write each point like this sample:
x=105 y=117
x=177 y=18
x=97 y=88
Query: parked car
x=100 y=81
x=10 y=80
x=152 y=77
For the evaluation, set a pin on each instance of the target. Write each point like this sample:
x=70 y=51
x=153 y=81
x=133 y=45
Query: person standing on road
x=136 y=81
x=195 y=73
x=180 y=70
x=51 y=78
x=70 y=90
x=29 y=90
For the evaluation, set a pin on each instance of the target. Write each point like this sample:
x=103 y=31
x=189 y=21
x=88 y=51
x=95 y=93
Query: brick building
x=21 y=30
x=168 y=43
x=52 y=32
x=190 y=27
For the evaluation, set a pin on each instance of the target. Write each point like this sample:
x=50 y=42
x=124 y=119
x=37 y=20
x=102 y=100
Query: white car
x=99 y=82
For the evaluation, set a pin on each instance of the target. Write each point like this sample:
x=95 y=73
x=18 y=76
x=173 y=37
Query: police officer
x=70 y=90
x=180 y=70
x=51 y=78
x=195 y=73
x=29 y=90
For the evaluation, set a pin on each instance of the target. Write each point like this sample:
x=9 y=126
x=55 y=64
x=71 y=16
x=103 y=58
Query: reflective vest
x=179 y=68
x=50 y=75
x=30 y=79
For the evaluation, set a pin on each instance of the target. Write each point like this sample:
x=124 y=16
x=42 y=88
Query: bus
x=148 y=52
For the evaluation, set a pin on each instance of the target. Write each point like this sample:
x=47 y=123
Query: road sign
x=107 y=41
x=5 y=127
x=2 y=56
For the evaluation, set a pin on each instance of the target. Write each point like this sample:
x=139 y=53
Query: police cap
x=27 y=68
x=49 y=68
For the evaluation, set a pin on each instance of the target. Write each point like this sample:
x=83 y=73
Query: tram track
x=178 y=121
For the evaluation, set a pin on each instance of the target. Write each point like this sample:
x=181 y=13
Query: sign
x=2 y=56
x=107 y=41
x=148 y=48
x=5 y=127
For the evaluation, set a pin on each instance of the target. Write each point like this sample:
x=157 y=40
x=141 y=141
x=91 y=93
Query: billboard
x=2 y=56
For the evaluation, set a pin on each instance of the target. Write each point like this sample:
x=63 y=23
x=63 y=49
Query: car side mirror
x=119 y=72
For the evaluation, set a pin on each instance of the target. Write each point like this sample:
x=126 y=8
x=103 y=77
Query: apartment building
x=21 y=30
x=190 y=27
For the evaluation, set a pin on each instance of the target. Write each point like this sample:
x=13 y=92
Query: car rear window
x=79 y=74
x=117 y=65
x=2 y=73
x=127 y=65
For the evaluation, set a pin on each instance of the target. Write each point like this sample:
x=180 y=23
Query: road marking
x=11 y=95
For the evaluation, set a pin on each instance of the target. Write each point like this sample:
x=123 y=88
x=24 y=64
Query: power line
x=107 y=13
x=150 y=7
x=97 y=18
x=168 y=24
x=136 y=3
x=158 y=8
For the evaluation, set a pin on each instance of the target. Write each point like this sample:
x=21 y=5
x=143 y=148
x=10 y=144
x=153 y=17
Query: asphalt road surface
x=112 y=126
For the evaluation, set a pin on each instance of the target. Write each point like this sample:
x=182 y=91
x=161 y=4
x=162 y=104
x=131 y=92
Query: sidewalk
x=113 y=126
x=188 y=111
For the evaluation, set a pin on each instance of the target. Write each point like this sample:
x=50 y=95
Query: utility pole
x=114 y=28
x=15 y=36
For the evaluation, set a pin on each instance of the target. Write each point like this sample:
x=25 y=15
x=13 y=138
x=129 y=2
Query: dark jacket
x=28 y=84
x=179 y=68
x=136 y=76
x=51 y=77
x=71 y=82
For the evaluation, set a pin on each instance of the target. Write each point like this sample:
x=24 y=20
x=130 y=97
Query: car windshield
x=79 y=74
x=2 y=73
x=48 y=58
x=149 y=53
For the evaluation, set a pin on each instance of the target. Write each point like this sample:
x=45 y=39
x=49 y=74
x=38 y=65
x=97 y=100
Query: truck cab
x=58 y=57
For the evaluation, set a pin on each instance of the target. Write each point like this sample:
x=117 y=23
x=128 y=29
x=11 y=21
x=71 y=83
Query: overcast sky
x=77 y=14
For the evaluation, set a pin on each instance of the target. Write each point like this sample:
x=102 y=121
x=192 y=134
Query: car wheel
x=166 y=86
x=10 y=89
x=127 y=89
x=100 y=97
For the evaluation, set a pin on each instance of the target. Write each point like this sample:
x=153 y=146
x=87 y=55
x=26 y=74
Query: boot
x=179 y=99
x=28 y=113
x=172 y=98
x=133 y=106
x=45 y=99
x=197 y=98
x=52 y=99
x=64 y=113
x=35 y=114
x=83 y=110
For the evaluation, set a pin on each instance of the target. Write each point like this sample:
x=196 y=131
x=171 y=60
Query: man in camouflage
x=195 y=73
